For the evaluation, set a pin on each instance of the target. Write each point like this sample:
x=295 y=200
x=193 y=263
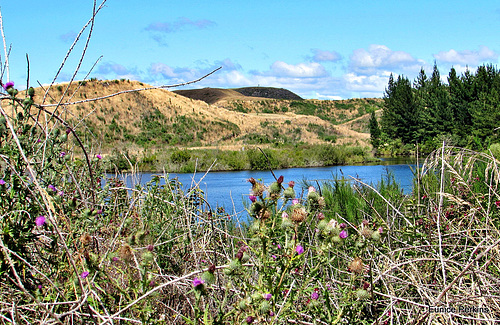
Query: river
x=231 y=189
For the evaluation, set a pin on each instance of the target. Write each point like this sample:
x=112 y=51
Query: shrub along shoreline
x=187 y=160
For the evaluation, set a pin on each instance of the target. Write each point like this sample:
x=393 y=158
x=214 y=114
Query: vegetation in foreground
x=73 y=252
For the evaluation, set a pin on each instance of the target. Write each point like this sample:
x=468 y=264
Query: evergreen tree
x=439 y=119
x=374 y=131
x=400 y=117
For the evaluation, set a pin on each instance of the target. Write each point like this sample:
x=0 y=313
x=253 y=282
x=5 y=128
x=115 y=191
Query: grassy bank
x=250 y=158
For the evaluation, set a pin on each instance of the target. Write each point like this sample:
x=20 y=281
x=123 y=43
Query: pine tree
x=374 y=130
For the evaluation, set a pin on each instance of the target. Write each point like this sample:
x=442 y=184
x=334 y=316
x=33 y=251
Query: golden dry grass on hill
x=161 y=118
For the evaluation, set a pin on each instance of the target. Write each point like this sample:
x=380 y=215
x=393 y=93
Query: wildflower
x=356 y=266
x=366 y=285
x=197 y=282
x=115 y=259
x=126 y=252
x=40 y=286
x=84 y=274
x=311 y=189
x=381 y=230
x=257 y=188
x=314 y=296
x=52 y=187
x=343 y=226
x=271 y=314
x=343 y=234
x=268 y=296
x=279 y=246
x=2 y=182
x=299 y=249
x=60 y=193
x=249 y=320
x=497 y=203
x=280 y=179
x=40 y=221
x=298 y=214
x=150 y=248
x=252 y=198
x=273 y=256
x=320 y=216
x=98 y=157
x=295 y=201
x=8 y=85
x=62 y=154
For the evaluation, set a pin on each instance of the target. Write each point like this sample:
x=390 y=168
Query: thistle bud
x=208 y=277
x=264 y=307
x=362 y=294
x=31 y=92
x=147 y=257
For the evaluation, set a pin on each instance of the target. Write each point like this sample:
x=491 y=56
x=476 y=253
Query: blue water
x=231 y=189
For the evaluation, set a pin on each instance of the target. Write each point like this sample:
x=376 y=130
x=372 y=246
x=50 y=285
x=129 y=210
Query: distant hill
x=214 y=95
x=268 y=92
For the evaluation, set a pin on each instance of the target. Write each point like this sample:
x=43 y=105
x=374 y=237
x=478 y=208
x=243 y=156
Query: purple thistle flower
x=62 y=154
x=380 y=230
x=295 y=201
x=249 y=320
x=84 y=274
x=343 y=226
x=40 y=221
x=8 y=85
x=60 y=193
x=314 y=295
x=279 y=246
x=252 y=198
x=268 y=296
x=98 y=156
x=52 y=187
x=2 y=182
x=273 y=256
x=115 y=259
x=343 y=234
x=311 y=189
x=197 y=282
x=299 y=249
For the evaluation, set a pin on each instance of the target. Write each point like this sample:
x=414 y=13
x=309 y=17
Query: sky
x=323 y=49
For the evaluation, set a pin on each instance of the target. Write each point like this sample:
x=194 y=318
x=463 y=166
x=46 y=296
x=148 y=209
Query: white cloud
x=322 y=56
x=467 y=57
x=374 y=84
x=162 y=69
x=301 y=70
x=380 y=57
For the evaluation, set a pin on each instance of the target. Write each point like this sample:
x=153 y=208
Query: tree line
x=463 y=112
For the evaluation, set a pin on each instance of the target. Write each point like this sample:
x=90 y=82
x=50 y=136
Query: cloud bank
x=323 y=75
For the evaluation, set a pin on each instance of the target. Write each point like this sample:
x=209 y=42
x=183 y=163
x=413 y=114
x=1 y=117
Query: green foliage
x=375 y=132
x=464 y=110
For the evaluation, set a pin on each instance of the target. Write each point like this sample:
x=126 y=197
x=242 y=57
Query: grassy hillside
x=151 y=121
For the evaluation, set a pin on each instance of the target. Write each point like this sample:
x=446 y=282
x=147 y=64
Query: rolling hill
x=217 y=118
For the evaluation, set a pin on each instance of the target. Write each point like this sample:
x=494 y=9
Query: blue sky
x=325 y=49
